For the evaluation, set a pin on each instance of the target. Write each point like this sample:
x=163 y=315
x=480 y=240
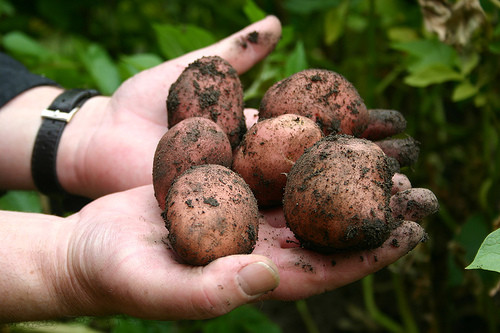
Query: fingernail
x=409 y=233
x=258 y=278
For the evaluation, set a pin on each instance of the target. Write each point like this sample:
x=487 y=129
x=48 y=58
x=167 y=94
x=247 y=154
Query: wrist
x=72 y=170
x=19 y=123
x=71 y=284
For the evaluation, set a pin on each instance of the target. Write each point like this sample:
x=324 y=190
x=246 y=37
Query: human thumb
x=223 y=285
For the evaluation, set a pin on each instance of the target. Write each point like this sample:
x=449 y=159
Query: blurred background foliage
x=435 y=61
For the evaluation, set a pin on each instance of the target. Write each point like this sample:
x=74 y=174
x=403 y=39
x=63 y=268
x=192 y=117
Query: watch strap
x=55 y=118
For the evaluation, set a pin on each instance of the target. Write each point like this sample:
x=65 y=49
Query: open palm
x=120 y=133
x=120 y=262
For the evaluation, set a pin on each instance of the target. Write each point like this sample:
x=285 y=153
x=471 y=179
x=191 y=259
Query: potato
x=268 y=151
x=324 y=96
x=193 y=141
x=210 y=213
x=337 y=195
x=209 y=88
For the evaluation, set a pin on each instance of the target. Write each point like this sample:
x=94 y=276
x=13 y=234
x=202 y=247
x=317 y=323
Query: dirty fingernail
x=408 y=236
x=258 y=278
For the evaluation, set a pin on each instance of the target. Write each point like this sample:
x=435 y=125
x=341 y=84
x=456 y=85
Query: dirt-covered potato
x=193 y=141
x=324 y=96
x=210 y=213
x=337 y=195
x=268 y=151
x=210 y=88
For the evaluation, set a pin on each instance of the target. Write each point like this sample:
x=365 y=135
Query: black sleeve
x=15 y=78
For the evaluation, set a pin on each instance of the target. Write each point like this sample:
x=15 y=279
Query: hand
x=119 y=134
x=119 y=262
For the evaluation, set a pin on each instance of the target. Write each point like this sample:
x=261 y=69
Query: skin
x=125 y=126
x=110 y=257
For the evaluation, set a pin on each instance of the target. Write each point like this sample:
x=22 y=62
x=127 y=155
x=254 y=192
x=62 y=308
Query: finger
x=244 y=48
x=305 y=273
x=384 y=123
x=199 y=292
x=414 y=204
x=251 y=117
x=400 y=182
x=405 y=151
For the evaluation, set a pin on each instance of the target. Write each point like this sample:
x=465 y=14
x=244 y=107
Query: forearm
x=20 y=120
x=19 y=123
x=32 y=262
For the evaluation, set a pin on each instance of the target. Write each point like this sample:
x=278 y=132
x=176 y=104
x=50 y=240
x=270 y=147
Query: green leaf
x=175 y=41
x=21 y=201
x=424 y=53
x=488 y=255
x=309 y=6
x=335 y=22
x=288 y=36
x=463 y=91
x=401 y=34
x=17 y=42
x=6 y=8
x=297 y=60
x=125 y=324
x=432 y=74
x=494 y=47
x=136 y=63
x=101 y=67
x=468 y=63
x=253 y=12
x=243 y=319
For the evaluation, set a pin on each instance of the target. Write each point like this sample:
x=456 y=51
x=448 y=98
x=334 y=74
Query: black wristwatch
x=55 y=118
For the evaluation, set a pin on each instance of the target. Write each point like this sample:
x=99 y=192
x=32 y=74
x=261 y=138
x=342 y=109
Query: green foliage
x=449 y=95
x=21 y=201
x=253 y=12
x=132 y=325
x=488 y=256
x=244 y=319
x=100 y=66
x=175 y=41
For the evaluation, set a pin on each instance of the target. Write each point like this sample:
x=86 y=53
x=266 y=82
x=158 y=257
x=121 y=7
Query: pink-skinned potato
x=268 y=151
x=210 y=213
x=193 y=141
x=210 y=88
x=337 y=195
x=324 y=96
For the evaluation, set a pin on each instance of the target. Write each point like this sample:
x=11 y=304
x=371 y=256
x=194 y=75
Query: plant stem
x=379 y=317
x=306 y=316
x=404 y=308
x=372 y=54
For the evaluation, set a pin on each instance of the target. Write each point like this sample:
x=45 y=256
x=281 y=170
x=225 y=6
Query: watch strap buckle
x=59 y=115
